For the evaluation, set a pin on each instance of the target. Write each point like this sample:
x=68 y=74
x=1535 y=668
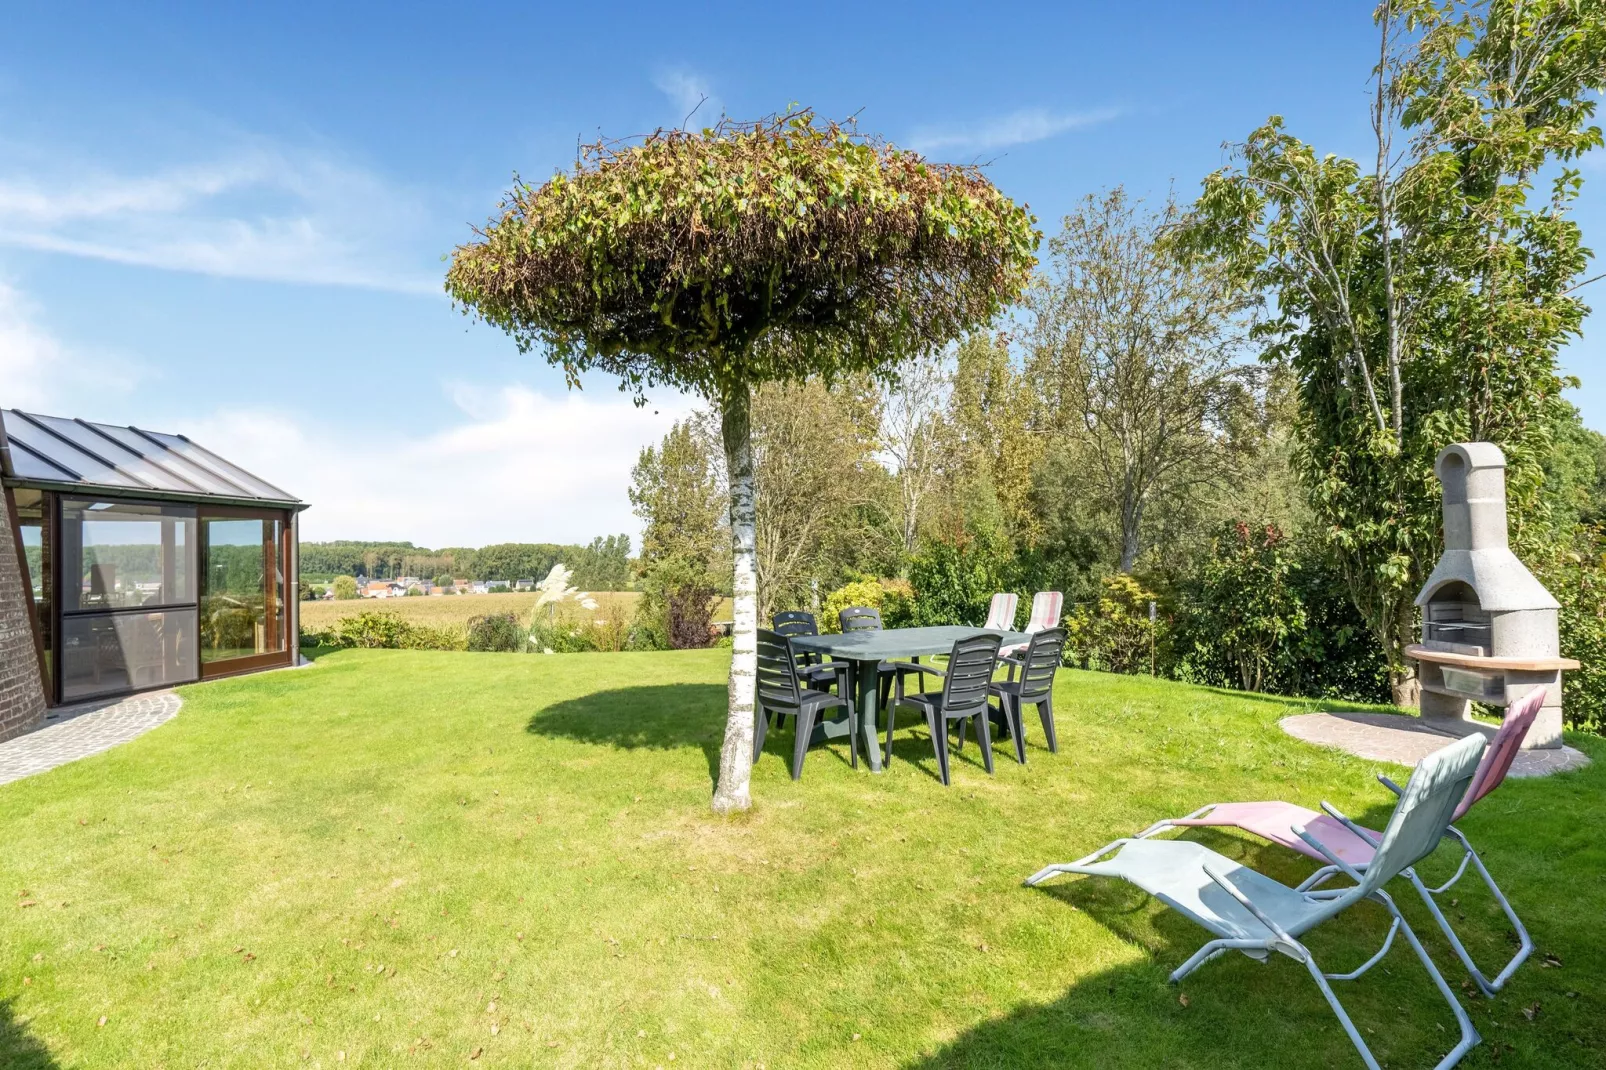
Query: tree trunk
x=736 y=755
x=1404 y=684
x=1131 y=523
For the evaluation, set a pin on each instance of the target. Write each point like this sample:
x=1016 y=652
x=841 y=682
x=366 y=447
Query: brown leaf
x=1531 y=1012
x=1184 y=1000
x=475 y=1054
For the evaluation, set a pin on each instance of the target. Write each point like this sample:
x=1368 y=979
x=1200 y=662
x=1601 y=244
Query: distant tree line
x=602 y=565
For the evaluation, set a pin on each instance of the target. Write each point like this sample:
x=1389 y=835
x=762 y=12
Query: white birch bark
x=736 y=754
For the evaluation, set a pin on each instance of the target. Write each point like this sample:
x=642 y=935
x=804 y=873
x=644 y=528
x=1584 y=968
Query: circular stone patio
x=1405 y=740
x=72 y=732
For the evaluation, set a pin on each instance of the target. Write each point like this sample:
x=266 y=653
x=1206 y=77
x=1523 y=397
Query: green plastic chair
x=1249 y=912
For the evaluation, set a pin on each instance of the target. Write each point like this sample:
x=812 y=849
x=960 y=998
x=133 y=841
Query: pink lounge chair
x=1046 y=607
x=1277 y=822
x=1001 y=613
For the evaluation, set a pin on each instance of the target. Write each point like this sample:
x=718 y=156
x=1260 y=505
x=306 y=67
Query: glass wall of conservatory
x=131 y=595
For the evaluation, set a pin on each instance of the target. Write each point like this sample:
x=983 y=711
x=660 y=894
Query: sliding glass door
x=242 y=591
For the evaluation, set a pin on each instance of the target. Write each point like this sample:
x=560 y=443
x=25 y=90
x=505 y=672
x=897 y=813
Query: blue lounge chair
x=1252 y=913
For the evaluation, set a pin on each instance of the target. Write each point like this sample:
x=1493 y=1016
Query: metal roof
x=78 y=455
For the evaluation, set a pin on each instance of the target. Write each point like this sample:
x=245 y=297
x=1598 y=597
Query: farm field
x=457 y=609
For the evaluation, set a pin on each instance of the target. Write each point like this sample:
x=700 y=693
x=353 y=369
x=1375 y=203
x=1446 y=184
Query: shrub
x=345 y=588
x=373 y=630
x=866 y=593
x=676 y=611
x=1267 y=613
x=497 y=632
x=1115 y=634
x=954 y=582
x=897 y=603
x=691 y=615
x=894 y=598
x=1575 y=573
x=561 y=635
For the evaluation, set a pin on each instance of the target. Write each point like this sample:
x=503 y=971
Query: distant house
x=479 y=587
x=524 y=585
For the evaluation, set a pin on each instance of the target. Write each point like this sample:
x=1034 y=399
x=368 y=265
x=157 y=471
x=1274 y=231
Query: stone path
x=1403 y=740
x=72 y=732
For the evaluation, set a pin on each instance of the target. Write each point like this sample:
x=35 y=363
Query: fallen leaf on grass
x=101 y=1022
x=475 y=1054
x=1184 y=1000
x=1531 y=1012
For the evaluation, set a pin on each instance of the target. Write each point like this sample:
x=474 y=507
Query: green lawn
x=410 y=858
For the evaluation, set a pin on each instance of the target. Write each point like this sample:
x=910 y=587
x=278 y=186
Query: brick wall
x=22 y=696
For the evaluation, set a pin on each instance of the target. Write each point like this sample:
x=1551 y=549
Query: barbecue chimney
x=1489 y=629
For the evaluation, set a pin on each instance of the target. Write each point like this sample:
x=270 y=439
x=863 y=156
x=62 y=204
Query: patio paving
x=72 y=732
x=1404 y=740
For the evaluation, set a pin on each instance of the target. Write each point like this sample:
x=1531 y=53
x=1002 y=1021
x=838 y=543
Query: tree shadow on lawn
x=659 y=717
x=20 y=1049
x=1231 y=1012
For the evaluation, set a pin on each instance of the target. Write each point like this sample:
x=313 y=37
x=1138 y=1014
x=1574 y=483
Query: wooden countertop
x=1418 y=652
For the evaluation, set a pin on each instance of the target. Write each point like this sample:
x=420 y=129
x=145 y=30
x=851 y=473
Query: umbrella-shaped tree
x=744 y=254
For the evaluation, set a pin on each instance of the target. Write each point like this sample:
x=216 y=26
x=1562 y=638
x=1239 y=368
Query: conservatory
x=149 y=560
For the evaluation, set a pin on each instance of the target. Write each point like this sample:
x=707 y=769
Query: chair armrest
x=909 y=666
x=1366 y=835
x=1243 y=900
x=1012 y=661
x=1389 y=784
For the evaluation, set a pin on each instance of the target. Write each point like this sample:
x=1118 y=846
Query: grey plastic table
x=867 y=650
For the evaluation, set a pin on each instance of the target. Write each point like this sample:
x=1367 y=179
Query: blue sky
x=231 y=222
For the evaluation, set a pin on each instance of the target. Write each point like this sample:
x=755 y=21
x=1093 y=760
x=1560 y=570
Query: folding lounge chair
x=1046 y=607
x=1001 y=612
x=1275 y=821
x=1252 y=913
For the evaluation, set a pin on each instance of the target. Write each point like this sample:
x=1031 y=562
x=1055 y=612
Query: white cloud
x=38 y=372
x=689 y=91
x=255 y=211
x=1016 y=128
x=521 y=466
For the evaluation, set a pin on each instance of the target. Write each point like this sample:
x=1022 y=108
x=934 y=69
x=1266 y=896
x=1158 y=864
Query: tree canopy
x=745 y=253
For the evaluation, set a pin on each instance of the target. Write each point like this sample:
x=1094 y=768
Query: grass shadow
x=653 y=717
x=20 y=1049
